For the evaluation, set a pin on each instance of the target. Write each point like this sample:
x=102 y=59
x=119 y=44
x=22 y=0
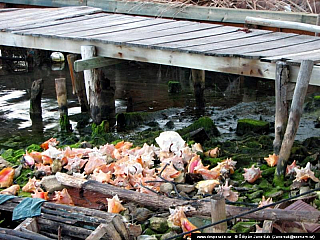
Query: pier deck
x=186 y=44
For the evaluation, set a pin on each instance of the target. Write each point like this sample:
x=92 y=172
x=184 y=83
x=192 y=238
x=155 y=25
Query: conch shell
x=227 y=193
x=31 y=185
x=272 y=160
x=170 y=141
x=251 y=174
x=63 y=197
x=213 y=153
x=11 y=190
x=265 y=201
x=114 y=205
x=6 y=177
x=197 y=148
x=179 y=219
x=206 y=186
x=51 y=142
x=304 y=174
x=290 y=168
x=39 y=193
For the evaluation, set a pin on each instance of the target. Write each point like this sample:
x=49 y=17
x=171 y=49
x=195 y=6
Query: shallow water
x=227 y=99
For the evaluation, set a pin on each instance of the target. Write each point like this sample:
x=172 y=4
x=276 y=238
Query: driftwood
x=61 y=91
x=218 y=213
x=161 y=202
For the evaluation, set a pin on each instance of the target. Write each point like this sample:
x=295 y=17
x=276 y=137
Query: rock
x=255 y=194
x=4 y=163
x=147 y=237
x=250 y=125
x=244 y=227
x=51 y=184
x=201 y=221
x=141 y=214
x=168 y=235
x=199 y=135
x=174 y=87
x=159 y=224
x=169 y=124
x=186 y=188
x=276 y=194
x=166 y=188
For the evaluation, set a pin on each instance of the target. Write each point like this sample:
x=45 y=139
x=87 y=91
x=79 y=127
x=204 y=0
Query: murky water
x=227 y=98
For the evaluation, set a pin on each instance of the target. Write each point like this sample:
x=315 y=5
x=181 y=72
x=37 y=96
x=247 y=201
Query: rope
x=243 y=214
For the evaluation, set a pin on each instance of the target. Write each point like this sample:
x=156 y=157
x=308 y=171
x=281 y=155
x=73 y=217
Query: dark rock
x=192 y=178
x=199 y=135
x=159 y=224
x=169 y=124
x=174 y=87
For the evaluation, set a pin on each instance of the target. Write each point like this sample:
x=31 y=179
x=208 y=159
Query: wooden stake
x=295 y=114
x=218 y=212
x=61 y=91
x=35 y=99
x=281 y=117
x=198 y=77
x=317 y=23
x=99 y=93
x=78 y=85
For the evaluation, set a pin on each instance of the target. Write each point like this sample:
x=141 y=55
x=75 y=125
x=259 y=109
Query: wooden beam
x=295 y=115
x=232 y=65
x=94 y=62
x=282 y=24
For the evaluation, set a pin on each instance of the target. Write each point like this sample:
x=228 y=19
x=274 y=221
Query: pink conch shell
x=100 y=176
x=63 y=197
x=290 y=168
x=44 y=168
x=31 y=185
x=194 y=163
x=197 y=147
x=265 y=201
x=13 y=190
x=6 y=177
x=206 y=186
x=37 y=156
x=227 y=193
x=29 y=160
x=179 y=219
x=114 y=205
x=213 y=153
x=168 y=172
x=304 y=174
x=95 y=160
x=39 y=193
x=272 y=160
x=51 y=142
x=170 y=141
x=226 y=166
x=187 y=226
x=251 y=174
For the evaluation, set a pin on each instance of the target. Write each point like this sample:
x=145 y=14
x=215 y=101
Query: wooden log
x=99 y=93
x=98 y=232
x=281 y=116
x=295 y=114
x=196 y=207
x=218 y=213
x=30 y=224
x=282 y=24
x=61 y=91
x=198 y=78
x=23 y=235
x=77 y=80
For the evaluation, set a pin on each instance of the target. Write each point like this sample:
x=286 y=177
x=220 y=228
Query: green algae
x=244 y=227
x=250 y=125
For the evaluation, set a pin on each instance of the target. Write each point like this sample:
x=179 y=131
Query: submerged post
x=218 y=213
x=299 y=94
x=78 y=85
x=198 y=78
x=281 y=117
x=61 y=91
x=35 y=105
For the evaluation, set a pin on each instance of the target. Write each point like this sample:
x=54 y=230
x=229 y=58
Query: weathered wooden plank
x=68 y=13
x=58 y=22
x=95 y=62
x=247 y=41
x=4 y=16
x=134 y=23
x=74 y=25
x=174 y=11
x=272 y=47
x=313 y=55
x=186 y=36
x=2 y=10
x=282 y=24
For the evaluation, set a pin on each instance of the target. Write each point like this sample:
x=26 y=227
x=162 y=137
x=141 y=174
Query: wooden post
x=61 y=91
x=35 y=106
x=78 y=85
x=295 y=114
x=198 y=77
x=281 y=117
x=317 y=23
x=99 y=93
x=218 y=213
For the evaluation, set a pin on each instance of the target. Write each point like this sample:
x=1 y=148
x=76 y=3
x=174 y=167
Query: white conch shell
x=170 y=141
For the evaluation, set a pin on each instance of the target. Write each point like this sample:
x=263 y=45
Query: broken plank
x=94 y=62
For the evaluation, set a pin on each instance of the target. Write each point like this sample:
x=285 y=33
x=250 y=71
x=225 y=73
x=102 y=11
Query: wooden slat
x=58 y=22
x=4 y=16
x=271 y=46
x=206 y=43
x=247 y=41
x=132 y=24
x=153 y=34
x=215 y=30
x=73 y=26
x=95 y=62
x=312 y=55
x=56 y=16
